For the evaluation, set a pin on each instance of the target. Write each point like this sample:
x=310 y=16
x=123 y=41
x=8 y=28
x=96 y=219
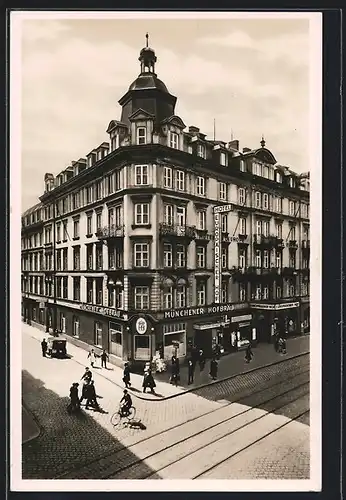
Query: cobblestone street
x=207 y=424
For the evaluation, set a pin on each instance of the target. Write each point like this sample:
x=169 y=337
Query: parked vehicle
x=57 y=347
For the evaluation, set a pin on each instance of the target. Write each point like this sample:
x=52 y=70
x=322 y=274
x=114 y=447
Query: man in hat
x=44 y=347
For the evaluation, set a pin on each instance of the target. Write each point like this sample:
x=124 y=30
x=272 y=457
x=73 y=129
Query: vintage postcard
x=165 y=251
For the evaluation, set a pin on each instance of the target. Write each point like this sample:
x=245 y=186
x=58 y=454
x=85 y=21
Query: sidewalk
x=229 y=366
x=30 y=429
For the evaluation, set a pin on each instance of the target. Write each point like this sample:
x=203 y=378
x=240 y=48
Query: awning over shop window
x=208 y=326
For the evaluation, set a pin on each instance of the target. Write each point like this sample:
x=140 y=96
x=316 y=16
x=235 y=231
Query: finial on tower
x=263 y=142
x=147 y=41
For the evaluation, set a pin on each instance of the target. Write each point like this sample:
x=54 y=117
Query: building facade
x=119 y=253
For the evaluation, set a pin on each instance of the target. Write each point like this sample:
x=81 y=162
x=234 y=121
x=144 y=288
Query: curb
x=201 y=386
x=33 y=417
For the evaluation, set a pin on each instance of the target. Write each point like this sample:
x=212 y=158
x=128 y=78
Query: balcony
x=278 y=242
x=202 y=234
x=112 y=231
x=263 y=241
x=177 y=231
x=293 y=244
x=306 y=244
x=289 y=272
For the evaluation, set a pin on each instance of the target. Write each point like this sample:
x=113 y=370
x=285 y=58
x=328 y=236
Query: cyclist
x=125 y=404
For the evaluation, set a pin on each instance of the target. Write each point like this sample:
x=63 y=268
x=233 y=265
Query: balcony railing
x=289 y=271
x=293 y=244
x=177 y=230
x=262 y=240
x=202 y=234
x=111 y=231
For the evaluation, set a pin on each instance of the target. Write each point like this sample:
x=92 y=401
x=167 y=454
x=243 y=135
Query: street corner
x=30 y=428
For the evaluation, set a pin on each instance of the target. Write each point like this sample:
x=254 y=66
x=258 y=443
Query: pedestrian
x=213 y=369
x=175 y=370
x=44 y=347
x=191 y=371
x=74 y=398
x=201 y=360
x=87 y=375
x=276 y=342
x=148 y=379
x=92 y=358
x=194 y=355
x=126 y=377
x=104 y=357
x=91 y=396
x=248 y=354
x=85 y=390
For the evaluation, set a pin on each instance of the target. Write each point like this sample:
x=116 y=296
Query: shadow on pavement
x=67 y=441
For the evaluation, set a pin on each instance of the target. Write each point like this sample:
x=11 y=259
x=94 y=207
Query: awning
x=208 y=326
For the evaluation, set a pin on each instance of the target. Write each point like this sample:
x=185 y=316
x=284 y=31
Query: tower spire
x=263 y=142
x=147 y=40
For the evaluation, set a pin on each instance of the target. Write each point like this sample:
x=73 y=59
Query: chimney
x=193 y=130
x=246 y=150
x=234 y=145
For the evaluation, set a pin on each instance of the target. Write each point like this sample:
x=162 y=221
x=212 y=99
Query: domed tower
x=147 y=92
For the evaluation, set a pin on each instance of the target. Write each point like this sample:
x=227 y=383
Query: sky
x=250 y=75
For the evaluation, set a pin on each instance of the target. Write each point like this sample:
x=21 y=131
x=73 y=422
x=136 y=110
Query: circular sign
x=141 y=325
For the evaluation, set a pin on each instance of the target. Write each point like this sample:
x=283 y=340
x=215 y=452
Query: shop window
x=62 y=323
x=116 y=339
x=75 y=326
x=142 y=344
x=34 y=317
x=98 y=334
x=174 y=334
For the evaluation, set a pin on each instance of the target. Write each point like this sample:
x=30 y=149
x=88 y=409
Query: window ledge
x=88 y=235
x=64 y=241
x=145 y=226
x=75 y=238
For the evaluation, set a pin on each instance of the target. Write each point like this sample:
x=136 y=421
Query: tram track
x=122 y=463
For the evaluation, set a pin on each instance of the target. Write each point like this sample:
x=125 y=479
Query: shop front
x=141 y=339
x=33 y=310
x=276 y=318
x=203 y=327
x=98 y=326
x=305 y=314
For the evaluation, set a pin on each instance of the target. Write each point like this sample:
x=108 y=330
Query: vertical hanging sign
x=217 y=251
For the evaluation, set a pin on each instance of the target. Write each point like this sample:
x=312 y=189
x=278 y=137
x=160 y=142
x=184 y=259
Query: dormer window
x=257 y=168
x=201 y=150
x=189 y=150
x=141 y=135
x=174 y=140
x=242 y=166
x=266 y=172
x=278 y=177
x=291 y=181
x=223 y=159
x=99 y=155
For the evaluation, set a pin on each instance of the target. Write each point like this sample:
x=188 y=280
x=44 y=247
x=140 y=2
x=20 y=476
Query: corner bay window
x=142 y=297
x=201 y=252
x=201 y=293
x=141 y=175
x=141 y=255
x=201 y=186
x=141 y=213
x=180 y=180
x=167 y=255
x=167 y=177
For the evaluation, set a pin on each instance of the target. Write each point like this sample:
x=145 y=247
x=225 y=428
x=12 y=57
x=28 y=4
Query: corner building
x=119 y=253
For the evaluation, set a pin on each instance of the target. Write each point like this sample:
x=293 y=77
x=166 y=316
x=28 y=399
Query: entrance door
x=116 y=339
x=142 y=347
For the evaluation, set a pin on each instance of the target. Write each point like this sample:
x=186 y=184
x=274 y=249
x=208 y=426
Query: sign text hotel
x=201 y=311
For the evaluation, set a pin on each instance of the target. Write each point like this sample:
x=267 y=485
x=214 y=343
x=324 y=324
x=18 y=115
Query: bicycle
x=118 y=415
